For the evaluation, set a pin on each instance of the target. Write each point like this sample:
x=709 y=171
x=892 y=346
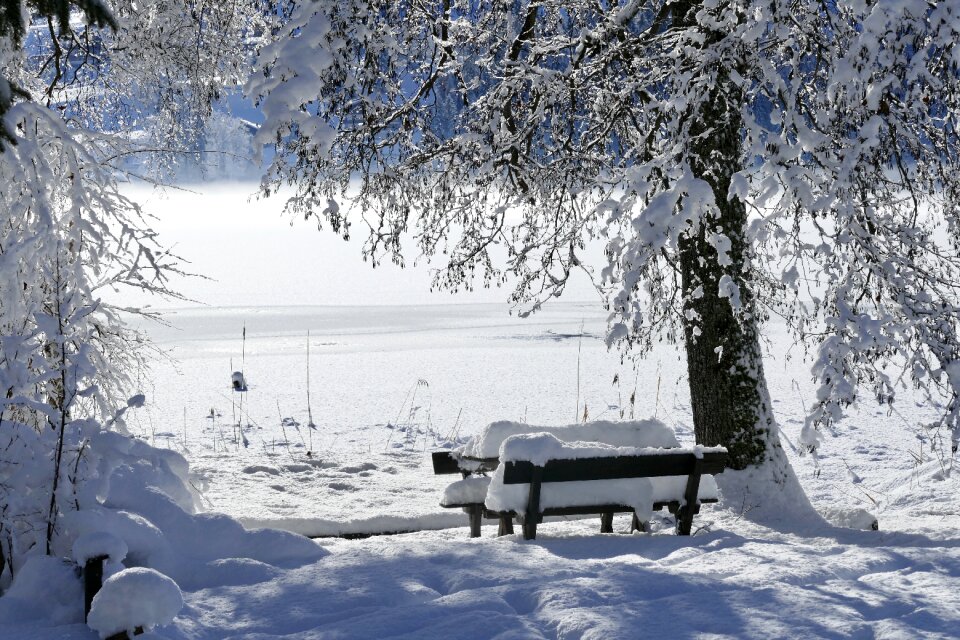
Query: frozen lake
x=389 y=384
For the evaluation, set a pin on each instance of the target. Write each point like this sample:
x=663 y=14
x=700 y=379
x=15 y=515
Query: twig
x=576 y=410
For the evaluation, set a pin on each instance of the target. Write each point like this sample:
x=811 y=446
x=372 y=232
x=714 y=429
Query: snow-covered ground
x=390 y=384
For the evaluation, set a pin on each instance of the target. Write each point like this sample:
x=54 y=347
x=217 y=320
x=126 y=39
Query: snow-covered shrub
x=91 y=459
x=45 y=588
x=126 y=499
x=134 y=599
x=68 y=236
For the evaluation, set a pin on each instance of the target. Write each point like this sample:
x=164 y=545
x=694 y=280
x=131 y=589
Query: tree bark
x=724 y=360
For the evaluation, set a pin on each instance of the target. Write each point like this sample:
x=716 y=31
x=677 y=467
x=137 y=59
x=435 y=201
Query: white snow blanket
x=639 y=493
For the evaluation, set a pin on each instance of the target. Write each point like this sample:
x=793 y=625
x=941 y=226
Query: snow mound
x=853 y=518
x=636 y=433
x=99 y=544
x=144 y=540
x=122 y=460
x=191 y=542
x=135 y=503
x=132 y=598
x=44 y=588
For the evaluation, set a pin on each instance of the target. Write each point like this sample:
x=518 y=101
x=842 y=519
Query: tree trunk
x=724 y=361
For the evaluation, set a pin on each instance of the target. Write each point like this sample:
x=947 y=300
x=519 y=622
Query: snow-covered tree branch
x=740 y=158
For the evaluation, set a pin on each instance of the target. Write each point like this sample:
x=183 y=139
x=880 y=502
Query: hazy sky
x=254 y=257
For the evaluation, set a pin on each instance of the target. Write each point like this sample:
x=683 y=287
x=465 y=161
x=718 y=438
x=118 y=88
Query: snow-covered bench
x=482 y=454
x=539 y=475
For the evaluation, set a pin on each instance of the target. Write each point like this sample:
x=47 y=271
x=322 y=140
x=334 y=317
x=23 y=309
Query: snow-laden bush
x=120 y=497
x=67 y=236
x=91 y=457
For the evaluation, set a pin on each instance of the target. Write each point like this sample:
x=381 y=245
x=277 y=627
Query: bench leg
x=529 y=528
x=606 y=522
x=506 y=526
x=690 y=495
x=476 y=513
x=637 y=525
x=685 y=519
x=532 y=514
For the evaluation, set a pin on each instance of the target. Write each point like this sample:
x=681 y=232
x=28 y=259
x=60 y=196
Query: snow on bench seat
x=470 y=490
x=634 y=433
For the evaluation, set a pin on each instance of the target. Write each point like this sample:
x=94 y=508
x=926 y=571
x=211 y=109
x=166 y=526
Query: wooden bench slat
x=588 y=469
x=444 y=462
x=591 y=509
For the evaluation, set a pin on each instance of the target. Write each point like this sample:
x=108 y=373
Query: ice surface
x=132 y=598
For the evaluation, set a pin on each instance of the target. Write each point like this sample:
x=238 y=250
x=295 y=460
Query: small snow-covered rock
x=850 y=518
x=132 y=598
x=99 y=543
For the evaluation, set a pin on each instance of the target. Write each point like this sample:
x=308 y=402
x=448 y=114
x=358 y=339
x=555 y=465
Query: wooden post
x=532 y=515
x=476 y=513
x=606 y=522
x=637 y=525
x=506 y=526
x=92 y=581
x=691 y=498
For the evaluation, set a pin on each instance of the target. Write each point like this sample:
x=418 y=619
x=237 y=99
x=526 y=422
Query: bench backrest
x=640 y=466
x=445 y=462
x=680 y=463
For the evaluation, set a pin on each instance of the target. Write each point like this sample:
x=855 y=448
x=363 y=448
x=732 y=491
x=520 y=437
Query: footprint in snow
x=259 y=468
x=366 y=466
